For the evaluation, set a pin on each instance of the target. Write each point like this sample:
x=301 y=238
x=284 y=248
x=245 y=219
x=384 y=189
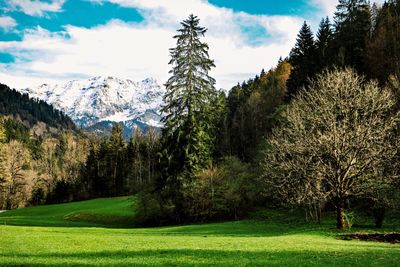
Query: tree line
x=362 y=36
x=69 y=166
x=32 y=168
x=31 y=111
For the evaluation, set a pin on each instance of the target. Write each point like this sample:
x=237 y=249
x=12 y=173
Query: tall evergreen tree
x=117 y=156
x=187 y=135
x=135 y=159
x=352 y=28
x=323 y=45
x=221 y=130
x=383 y=47
x=302 y=59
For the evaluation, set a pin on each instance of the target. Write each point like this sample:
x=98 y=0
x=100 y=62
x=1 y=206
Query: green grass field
x=102 y=212
x=96 y=233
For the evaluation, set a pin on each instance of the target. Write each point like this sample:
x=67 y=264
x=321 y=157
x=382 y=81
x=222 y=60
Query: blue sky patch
x=6 y=58
x=255 y=34
x=268 y=7
x=77 y=12
x=10 y=36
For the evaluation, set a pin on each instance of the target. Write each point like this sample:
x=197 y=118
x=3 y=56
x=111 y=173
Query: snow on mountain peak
x=105 y=98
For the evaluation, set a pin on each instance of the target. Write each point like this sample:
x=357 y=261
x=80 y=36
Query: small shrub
x=222 y=192
x=225 y=191
x=152 y=210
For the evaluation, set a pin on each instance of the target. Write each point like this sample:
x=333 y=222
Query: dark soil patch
x=393 y=238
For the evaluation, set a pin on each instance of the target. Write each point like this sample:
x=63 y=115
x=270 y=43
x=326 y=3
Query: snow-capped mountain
x=95 y=104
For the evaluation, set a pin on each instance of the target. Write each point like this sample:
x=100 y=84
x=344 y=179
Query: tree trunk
x=379 y=215
x=340 y=224
x=318 y=212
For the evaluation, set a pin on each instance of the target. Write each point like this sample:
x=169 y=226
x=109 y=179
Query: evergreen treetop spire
x=190 y=94
x=302 y=59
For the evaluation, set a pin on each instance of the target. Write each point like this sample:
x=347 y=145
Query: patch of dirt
x=393 y=238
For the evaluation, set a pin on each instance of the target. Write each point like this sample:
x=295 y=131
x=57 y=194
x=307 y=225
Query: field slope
x=106 y=212
x=74 y=235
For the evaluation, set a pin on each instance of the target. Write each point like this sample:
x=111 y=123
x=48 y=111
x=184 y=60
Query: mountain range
x=96 y=104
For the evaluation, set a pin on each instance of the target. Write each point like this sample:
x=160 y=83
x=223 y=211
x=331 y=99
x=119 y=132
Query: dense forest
x=31 y=111
x=317 y=132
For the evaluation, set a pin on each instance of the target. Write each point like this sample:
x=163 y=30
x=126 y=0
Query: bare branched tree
x=334 y=142
x=17 y=177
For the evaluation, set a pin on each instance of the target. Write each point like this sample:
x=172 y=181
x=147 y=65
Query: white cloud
x=7 y=23
x=328 y=7
x=140 y=50
x=35 y=7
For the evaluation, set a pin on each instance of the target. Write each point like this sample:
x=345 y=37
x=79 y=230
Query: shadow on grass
x=245 y=228
x=193 y=257
x=42 y=222
x=265 y=224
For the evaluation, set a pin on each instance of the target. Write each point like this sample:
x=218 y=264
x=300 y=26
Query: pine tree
x=323 y=45
x=302 y=59
x=117 y=155
x=352 y=28
x=187 y=136
x=221 y=147
x=102 y=183
x=135 y=159
x=91 y=175
x=152 y=142
x=383 y=47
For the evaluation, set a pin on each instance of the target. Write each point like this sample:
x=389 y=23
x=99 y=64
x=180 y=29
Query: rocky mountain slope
x=97 y=103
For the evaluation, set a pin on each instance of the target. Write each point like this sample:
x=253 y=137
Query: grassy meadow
x=100 y=233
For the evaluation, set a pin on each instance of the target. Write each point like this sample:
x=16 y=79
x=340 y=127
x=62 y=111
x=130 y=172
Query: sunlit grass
x=97 y=212
x=273 y=239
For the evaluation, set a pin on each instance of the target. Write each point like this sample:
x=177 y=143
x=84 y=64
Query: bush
x=225 y=191
x=151 y=210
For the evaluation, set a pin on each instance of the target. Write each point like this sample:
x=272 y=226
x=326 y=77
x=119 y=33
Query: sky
x=52 y=41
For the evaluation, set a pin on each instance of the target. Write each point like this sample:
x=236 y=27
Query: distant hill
x=31 y=111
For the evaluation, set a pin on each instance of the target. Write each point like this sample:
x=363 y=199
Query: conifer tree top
x=190 y=94
x=190 y=85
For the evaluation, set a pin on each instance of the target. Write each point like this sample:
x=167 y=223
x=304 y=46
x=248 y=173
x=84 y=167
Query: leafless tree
x=334 y=142
x=18 y=179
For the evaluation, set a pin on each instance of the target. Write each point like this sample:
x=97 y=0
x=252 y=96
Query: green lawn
x=46 y=236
